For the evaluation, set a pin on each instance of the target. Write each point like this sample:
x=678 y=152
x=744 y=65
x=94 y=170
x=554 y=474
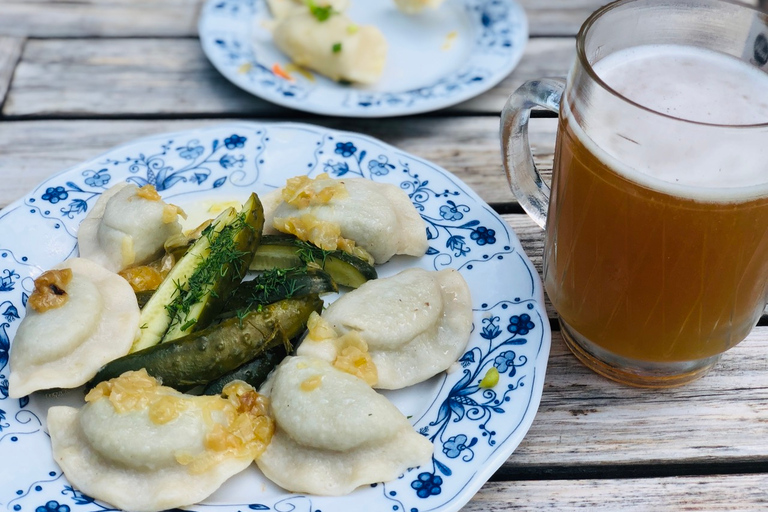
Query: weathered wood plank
x=165 y=77
x=717 y=493
x=99 y=18
x=564 y=18
x=178 y=18
x=466 y=146
x=585 y=419
x=10 y=52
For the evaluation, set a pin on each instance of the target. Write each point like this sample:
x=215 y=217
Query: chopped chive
x=336 y=48
x=322 y=13
x=188 y=324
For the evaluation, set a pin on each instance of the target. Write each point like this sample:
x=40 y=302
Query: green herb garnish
x=322 y=13
x=306 y=253
x=223 y=254
x=336 y=48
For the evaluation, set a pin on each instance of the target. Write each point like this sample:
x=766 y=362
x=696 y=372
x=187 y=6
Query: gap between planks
x=58 y=78
x=716 y=493
x=178 y=18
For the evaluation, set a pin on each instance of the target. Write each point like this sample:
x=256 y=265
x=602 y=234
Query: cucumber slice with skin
x=219 y=274
x=254 y=372
x=286 y=251
x=277 y=284
x=206 y=355
x=194 y=291
x=155 y=318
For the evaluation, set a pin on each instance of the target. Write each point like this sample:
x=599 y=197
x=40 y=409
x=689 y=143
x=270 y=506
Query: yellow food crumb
x=50 y=290
x=142 y=278
x=449 y=40
x=491 y=378
x=171 y=212
x=149 y=193
x=319 y=329
x=356 y=360
x=303 y=191
x=165 y=409
x=352 y=350
x=325 y=235
x=244 y=68
x=291 y=68
x=312 y=383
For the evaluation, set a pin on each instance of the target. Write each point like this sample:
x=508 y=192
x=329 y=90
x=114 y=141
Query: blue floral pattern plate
x=436 y=59
x=474 y=429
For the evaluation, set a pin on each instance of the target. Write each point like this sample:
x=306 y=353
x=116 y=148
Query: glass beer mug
x=656 y=255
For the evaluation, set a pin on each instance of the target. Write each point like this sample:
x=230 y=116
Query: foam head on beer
x=692 y=84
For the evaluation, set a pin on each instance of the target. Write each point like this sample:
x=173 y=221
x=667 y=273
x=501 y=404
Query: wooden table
x=77 y=78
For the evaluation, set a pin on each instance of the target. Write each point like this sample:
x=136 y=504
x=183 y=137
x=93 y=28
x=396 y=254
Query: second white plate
x=436 y=59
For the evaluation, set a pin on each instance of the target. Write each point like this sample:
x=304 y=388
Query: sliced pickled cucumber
x=278 y=284
x=286 y=251
x=194 y=291
x=254 y=372
x=206 y=355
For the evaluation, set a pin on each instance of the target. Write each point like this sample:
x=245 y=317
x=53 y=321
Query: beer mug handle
x=524 y=179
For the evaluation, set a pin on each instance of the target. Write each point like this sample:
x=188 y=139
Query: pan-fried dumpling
x=282 y=8
x=333 y=433
x=350 y=213
x=335 y=47
x=143 y=447
x=415 y=6
x=127 y=226
x=415 y=324
x=80 y=317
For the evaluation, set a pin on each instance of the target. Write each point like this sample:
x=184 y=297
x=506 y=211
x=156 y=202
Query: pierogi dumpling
x=335 y=47
x=127 y=226
x=143 y=447
x=415 y=323
x=333 y=433
x=415 y=6
x=282 y=8
x=80 y=317
x=338 y=213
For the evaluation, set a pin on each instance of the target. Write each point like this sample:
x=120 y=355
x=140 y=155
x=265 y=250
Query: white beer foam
x=689 y=83
x=691 y=159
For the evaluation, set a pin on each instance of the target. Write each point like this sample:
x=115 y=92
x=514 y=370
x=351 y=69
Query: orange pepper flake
x=50 y=290
x=279 y=71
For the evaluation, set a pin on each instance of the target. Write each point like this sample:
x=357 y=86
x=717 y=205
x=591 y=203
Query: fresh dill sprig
x=223 y=257
x=306 y=253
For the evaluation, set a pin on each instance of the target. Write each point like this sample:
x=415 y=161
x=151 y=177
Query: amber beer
x=651 y=260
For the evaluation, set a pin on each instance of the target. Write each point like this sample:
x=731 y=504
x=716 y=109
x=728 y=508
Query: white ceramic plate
x=474 y=430
x=436 y=59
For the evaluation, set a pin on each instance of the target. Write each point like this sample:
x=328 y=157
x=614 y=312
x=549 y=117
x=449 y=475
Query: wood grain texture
x=99 y=18
x=466 y=146
x=10 y=52
x=178 y=18
x=585 y=419
x=718 y=493
x=172 y=77
x=564 y=18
